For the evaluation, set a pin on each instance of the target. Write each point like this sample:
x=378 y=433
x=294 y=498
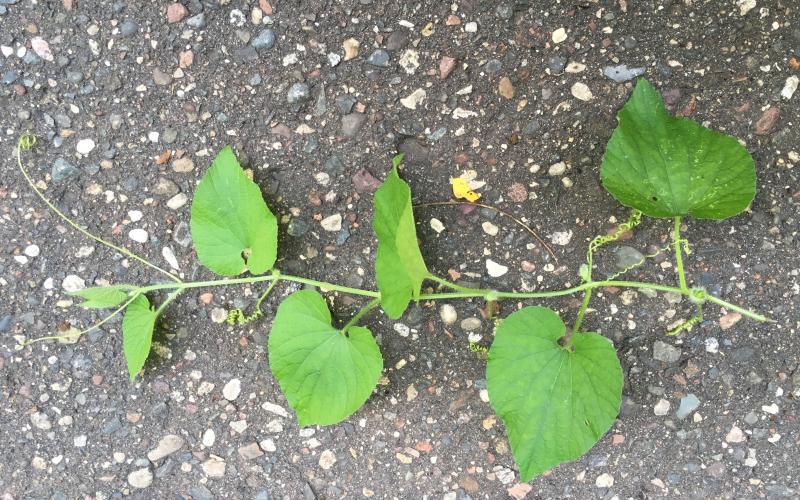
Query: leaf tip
x=397 y=160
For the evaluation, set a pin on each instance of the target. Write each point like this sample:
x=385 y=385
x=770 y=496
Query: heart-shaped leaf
x=325 y=374
x=101 y=297
x=669 y=166
x=137 y=333
x=399 y=267
x=232 y=227
x=555 y=401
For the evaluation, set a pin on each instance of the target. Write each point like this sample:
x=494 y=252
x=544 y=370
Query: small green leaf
x=399 y=267
x=325 y=375
x=137 y=333
x=232 y=227
x=555 y=401
x=101 y=297
x=668 y=167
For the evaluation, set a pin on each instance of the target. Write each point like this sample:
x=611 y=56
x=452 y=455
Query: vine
x=537 y=367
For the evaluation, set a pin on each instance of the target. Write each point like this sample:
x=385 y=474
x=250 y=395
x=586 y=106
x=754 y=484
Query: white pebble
x=745 y=6
x=471 y=27
x=559 y=35
x=661 y=408
x=138 y=235
x=153 y=136
x=437 y=225
x=712 y=345
x=448 y=314
x=561 y=237
x=141 y=478
x=169 y=256
x=581 y=91
x=332 y=223
x=735 y=435
x=489 y=228
x=209 y=437
x=326 y=459
x=604 y=480
x=557 y=168
x=790 y=87
x=135 y=215
x=31 y=251
x=232 y=389
x=73 y=283
x=177 y=201
x=494 y=269
x=85 y=146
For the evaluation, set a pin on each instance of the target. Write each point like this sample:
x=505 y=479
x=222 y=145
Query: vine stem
x=676 y=235
x=454 y=286
x=26 y=142
x=586 y=298
x=360 y=314
x=469 y=293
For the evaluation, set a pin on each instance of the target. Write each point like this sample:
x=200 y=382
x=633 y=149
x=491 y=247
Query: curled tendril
x=640 y=262
x=238 y=317
x=477 y=348
x=27 y=141
x=634 y=220
x=689 y=323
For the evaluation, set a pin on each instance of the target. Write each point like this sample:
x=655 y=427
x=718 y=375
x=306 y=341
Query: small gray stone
x=557 y=63
x=198 y=21
x=10 y=76
x=504 y=11
x=665 y=352
x=128 y=28
x=532 y=127
x=200 y=492
x=493 y=66
x=62 y=170
x=626 y=257
x=689 y=403
x=345 y=103
x=352 y=123
x=297 y=228
x=297 y=93
x=379 y=58
x=264 y=40
x=622 y=73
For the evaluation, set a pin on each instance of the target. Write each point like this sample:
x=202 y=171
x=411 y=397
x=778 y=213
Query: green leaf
x=137 y=333
x=232 y=227
x=555 y=402
x=668 y=167
x=101 y=297
x=325 y=374
x=399 y=267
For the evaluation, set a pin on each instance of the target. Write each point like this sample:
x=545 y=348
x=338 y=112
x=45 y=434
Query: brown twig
x=500 y=211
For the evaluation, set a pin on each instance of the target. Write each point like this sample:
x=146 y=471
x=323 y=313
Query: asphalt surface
x=149 y=93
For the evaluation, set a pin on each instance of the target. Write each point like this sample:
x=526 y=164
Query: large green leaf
x=232 y=227
x=137 y=333
x=555 y=401
x=325 y=374
x=101 y=297
x=667 y=166
x=399 y=267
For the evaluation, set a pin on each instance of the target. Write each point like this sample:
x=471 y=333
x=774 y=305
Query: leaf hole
x=654 y=198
